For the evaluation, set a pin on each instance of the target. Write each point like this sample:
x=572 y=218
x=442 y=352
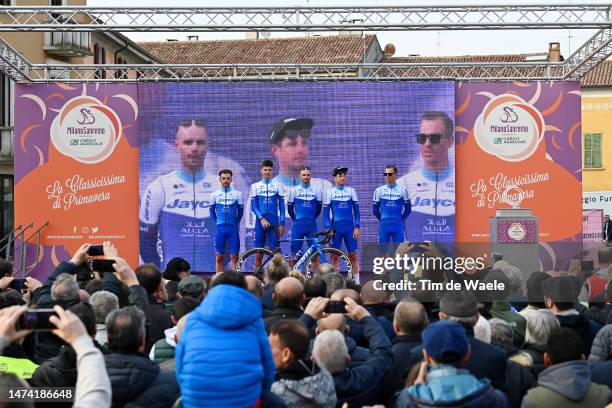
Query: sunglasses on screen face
x=434 y=138
x=191 y=122
x=389 y=174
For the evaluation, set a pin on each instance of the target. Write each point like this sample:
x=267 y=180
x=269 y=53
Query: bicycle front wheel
x=246 y=261
x=344 y=263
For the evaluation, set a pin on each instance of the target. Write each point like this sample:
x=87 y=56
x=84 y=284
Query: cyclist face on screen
x=340 y=179
x=291 y=153
x=434 y=155
x=305 y=176
x=225 y=179
x=192 y=145
x=266 y=172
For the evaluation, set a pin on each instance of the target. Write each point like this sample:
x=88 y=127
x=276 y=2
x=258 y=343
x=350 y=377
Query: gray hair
x=324 y=269
x=501 y=331
x=103 y=302
x=329 y=351
x=65 y=287
x=515 y=277
x=334 y=281
x=541 y=324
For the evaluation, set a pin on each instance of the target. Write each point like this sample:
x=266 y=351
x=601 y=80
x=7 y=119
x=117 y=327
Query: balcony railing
x=6 y=143
x=68 y=44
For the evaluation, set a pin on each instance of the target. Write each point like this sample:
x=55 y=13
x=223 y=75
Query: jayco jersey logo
x=187 y=204
x=432 y=202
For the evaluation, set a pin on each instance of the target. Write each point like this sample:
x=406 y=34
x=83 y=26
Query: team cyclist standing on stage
x=392 y=202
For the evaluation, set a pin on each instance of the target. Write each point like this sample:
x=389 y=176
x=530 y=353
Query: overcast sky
x=431 y=43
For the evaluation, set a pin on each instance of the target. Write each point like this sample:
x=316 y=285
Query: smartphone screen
x=18 y=284
x=37 y=319
x=95 y=250
x=102 y=265
x=335 y=306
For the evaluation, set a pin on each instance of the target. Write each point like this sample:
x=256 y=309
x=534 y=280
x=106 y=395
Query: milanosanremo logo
x=509 y=128
x=86 y=130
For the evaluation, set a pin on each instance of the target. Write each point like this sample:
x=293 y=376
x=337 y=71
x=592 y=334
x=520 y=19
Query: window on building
x=99 y=58
x=5 y=3
x=592 y=151
x=57 y=3
x=6 y=203
x=5 y=101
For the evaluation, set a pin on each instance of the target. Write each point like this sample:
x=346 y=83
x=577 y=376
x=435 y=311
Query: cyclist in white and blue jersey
x=432 y=186
x=391 y=206
x=304 y=203
x=268 y=205
x=226 y=208
x=341 y=212
x=174 y=209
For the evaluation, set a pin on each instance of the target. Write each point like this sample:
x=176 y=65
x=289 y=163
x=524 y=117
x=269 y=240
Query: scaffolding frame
x=380 y=18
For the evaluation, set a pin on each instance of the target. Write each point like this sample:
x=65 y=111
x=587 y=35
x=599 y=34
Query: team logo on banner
x=86 y=130
x=509 y=128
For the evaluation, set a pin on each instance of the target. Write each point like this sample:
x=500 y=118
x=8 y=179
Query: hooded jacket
x=139 y=382
x=567 y=385
x=304 y=384
x=224 y=358
x=448 y=386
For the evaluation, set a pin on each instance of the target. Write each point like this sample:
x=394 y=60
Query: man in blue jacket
x=223 y=357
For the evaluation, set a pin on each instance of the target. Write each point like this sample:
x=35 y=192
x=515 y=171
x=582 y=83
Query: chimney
x=389 y=50
x=554 y=52
x=192 y=38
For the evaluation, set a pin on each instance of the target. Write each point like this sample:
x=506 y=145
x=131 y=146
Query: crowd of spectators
x=149 y=338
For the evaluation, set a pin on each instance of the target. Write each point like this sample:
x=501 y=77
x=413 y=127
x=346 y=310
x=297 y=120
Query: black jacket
x=361 y=385
x=60 y=371
x=280 y=313
x=140 y=382
x=159 y=321
x=487 y=361
x=406 y=353
x=598 y=315
x=585 y=328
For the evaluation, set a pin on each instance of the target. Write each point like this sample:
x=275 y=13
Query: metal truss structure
x=299 y=72
x=378 y=18
x=593 y=52
x=597 y=49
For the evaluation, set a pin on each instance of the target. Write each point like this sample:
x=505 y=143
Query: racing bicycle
x=316 y=251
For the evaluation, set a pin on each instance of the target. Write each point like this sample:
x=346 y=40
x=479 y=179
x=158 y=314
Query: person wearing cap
x=289 y=144
x=192 y=287
x=432 y=186
x=341 y=212
x=486 y=361
x=174 y=208
x=391 y=206
x=304 y=202
x=268 y=204
x=226 y=208
x=441 y=380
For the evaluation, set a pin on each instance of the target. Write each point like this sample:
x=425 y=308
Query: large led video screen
x=362 y=126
